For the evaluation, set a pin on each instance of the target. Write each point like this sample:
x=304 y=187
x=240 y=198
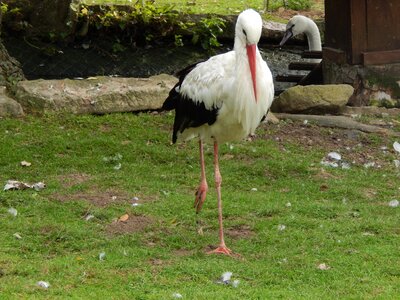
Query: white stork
x=223 y=99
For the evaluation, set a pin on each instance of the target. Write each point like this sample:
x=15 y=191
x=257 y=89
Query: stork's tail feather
x=171 y=102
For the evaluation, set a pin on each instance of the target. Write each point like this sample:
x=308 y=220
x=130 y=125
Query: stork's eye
x=244 y=32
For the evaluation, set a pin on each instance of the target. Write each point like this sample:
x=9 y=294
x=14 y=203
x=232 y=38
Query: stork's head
x=248 y=32
x=296 y=25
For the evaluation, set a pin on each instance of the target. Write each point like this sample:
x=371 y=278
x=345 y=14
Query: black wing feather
x=187 y=112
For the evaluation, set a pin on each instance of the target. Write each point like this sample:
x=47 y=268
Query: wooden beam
x=311 y=54
x=289 y=78
x=381 y=57
x=336 y=55
x=306 y=66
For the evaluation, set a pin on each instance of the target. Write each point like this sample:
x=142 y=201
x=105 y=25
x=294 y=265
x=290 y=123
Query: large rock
x=313 y=99
x=8 y=106
x=96 y=95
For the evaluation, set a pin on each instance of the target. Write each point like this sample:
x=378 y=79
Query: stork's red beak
x=251 y=55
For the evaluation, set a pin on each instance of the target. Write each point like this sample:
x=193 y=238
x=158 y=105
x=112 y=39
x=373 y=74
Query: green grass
x=358 y=238
x=208 y=6
x=197 y=6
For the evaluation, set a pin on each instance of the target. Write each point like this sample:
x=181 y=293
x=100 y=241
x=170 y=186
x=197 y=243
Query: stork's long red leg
x=203 y=187
x=218 y=180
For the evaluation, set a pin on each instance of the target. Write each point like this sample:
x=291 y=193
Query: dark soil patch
x=356 y=147
x=96 y=197
x=315 y=14
x=239 y=232
x=133 y=224
x=70 y=180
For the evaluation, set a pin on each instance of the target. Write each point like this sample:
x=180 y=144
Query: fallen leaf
x=17 y=236
x=19 y=185
x=200 y=231
x=15 y=185
x=88 y=217
x=123 y=218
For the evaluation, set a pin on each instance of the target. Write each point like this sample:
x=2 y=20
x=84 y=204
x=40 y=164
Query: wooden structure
x=315 y=75
x=362 y=32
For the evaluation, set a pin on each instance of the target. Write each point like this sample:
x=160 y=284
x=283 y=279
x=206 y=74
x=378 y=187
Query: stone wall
x=373 y=85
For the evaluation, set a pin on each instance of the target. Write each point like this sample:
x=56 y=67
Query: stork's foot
x=221 y=250
x=201 y=194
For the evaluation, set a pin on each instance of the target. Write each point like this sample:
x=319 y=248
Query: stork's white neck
x=313 y=37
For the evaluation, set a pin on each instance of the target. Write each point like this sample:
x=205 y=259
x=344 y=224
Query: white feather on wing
x=209 y=81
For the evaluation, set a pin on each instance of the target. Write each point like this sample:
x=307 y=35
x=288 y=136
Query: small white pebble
x=305 y=122
x=43 y=284
x=25 y=163
x=89 y=217
x=135 y=204
x=102 y=255
x=235 y=283
x=177 y=296
x=288 y=204
x=135 y=199
x=323 y=267
x=12 y=211
x=281 y=227
x=394 y=203
x=38 y=186
x=334 y=156
x=283 y=261
x=396 y=146
x=226 y=277
x=254 y=189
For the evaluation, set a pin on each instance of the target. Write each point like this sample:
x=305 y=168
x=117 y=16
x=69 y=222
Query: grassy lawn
x=96 y=165
x=209 y=6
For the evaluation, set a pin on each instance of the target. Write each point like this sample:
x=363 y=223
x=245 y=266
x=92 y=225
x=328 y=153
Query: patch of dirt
x=96 y=196
x=317 y=11
x=133 y=224
x=239 y=232
x=70 y=180
x=355 y=147
x=288 y=13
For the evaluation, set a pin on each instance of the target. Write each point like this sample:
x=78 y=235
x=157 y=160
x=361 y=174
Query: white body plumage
x=224 y=81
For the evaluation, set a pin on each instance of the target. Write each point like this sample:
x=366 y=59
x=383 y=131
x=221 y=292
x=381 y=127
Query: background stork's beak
x=288 y=34
x=251 y=55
